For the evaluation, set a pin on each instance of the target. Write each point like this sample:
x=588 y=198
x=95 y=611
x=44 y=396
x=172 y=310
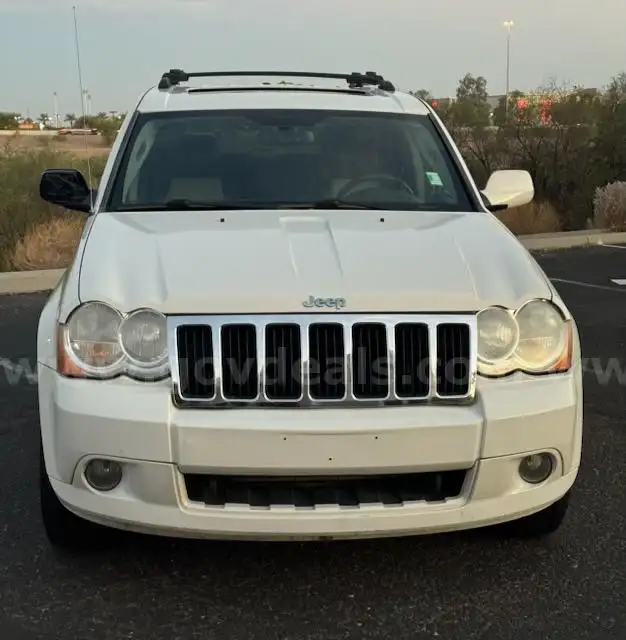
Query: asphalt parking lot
x=469 y=585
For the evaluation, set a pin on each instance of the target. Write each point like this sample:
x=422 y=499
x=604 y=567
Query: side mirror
x=507 y=189
x=66 y=188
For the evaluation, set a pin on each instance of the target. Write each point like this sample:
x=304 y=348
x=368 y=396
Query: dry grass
x=81 y=146
x=21 y=208
x=536 y=217
x=48 y=245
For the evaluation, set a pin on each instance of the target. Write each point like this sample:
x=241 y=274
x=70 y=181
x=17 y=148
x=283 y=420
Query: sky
x=125 y=45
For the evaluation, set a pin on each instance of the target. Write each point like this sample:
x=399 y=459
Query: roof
x=258 y=91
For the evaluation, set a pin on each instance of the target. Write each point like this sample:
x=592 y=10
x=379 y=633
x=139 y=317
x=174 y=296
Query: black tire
x=540 y=524
x=65 y=530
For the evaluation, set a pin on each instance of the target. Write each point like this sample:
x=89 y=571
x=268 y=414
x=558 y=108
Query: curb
x=37 y=281
x=29 y=281
x=571 y=239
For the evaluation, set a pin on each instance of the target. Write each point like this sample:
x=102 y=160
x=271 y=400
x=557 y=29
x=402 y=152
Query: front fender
x=46 y=329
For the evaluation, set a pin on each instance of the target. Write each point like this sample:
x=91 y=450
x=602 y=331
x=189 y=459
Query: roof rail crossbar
x=174 y=77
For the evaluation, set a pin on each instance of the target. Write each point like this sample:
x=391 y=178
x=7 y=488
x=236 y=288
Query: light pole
x=508 y=25
x=56 y=111
x=87 y=102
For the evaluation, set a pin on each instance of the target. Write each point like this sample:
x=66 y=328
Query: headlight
x=534 y=339
x=498 y=334
x=91 y=339
x=144 y=342
x=98 y=341
x=543 y=335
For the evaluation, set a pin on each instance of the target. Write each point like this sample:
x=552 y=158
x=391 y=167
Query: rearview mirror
x=66 y=188
x=508 y=188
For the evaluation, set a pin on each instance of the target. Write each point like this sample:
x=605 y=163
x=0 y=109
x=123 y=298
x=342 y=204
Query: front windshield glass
x=287 y=159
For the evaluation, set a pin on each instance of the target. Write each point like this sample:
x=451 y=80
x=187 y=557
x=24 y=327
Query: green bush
x=21 y=208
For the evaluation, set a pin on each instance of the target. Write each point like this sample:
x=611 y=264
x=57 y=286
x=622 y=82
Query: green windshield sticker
x=434 y=178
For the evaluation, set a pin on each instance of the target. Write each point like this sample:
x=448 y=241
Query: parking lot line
x=619 y=281
x=612 y=246
x=588 y=284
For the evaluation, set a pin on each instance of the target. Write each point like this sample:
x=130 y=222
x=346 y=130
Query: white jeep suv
x=292 y=315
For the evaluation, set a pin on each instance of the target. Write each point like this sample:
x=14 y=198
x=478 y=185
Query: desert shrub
x=21 y=208
x=48 y=245
x=108 y=131
x=609 y=206
x=582 y=147
x=560 y=160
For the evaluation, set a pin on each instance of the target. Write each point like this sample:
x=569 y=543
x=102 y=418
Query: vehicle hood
x=271 y=261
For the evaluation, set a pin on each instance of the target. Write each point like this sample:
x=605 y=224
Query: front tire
x=541 y=524
x=65 y=530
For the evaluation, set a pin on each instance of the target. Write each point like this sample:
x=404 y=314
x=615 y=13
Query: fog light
x=103 y=475
x=536 y=468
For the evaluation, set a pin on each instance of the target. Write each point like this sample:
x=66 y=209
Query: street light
x=55 y=116
x=508 y=26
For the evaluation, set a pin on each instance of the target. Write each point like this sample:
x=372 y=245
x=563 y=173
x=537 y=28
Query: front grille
x=240 y=369
x=318 y=360
x=311 y=492
x=412 y=355
x=327 y=361
x=197 y=374
x=454 y=351
x=283 y=371
x=370 y=362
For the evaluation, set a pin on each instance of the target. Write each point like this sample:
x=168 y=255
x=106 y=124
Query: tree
x=471 y=108
x=424 y=94
x=578 y=107
x=8 y=120
x=615 y=92
x=44 y=117
x=610 y=138
x=443 y=108
x=500 y=113
x=472 y=89
x=71 y=118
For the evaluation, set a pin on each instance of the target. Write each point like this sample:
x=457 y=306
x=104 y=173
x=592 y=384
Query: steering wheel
x=376 y=179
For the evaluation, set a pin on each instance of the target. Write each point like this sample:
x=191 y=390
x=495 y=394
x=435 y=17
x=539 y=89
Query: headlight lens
x=542 y=335
x=144 y=340
x=92 y=338
x=534 y=339
x=498 y=335
x=98 y=341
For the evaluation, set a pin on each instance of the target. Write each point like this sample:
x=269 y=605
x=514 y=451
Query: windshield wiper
x=184 y=204
x=331 y=203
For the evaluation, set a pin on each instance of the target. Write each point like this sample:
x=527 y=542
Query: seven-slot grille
x=321 y=359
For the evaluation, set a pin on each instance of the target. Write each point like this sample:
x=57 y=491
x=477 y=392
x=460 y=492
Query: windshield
x=289 y=159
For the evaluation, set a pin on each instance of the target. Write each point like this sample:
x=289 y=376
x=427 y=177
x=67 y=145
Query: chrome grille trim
x=304 y=321
x=217 y=363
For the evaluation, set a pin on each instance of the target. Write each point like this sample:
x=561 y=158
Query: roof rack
x=174 y=77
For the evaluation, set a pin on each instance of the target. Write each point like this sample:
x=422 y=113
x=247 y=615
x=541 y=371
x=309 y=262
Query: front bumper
x=157 y=444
